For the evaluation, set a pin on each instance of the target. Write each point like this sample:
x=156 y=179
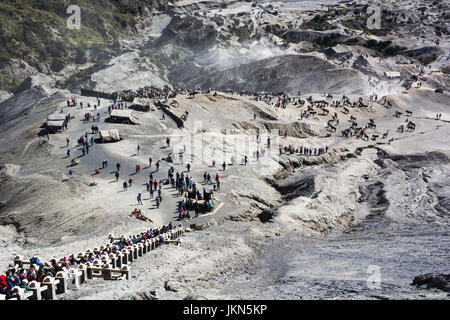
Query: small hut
x=55 y=121
x=55 y=125
x=392 y=74
x=109 y=136
x=122 y=116
x=141 y=104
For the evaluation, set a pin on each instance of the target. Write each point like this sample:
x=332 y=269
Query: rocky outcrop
x=145 y=296
x=433 y=281
x=26 y=84
x=296 y=186
x=194 y=297
x=363 y=65
x=188 y=31
x=295 y=129
x=425 y=54
x=324 y=38
x=275 y=29
x=171 y=286
x=333 y=54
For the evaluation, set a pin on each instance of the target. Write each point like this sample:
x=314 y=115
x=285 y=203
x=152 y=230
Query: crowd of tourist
x=304 y=150
x=19 y=276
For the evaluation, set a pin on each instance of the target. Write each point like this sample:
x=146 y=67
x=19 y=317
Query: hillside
x=308 y=149
x=34 y=36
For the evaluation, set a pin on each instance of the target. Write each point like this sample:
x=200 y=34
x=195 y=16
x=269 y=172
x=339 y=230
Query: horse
x=330 y=126
x=191 y=94
x=345 y=133
x=411 y=126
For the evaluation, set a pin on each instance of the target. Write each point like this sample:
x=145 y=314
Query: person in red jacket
x=31 y=275
x=3 y=282
x=4 y=289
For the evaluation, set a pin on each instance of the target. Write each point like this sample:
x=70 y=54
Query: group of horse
x=354 y=129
